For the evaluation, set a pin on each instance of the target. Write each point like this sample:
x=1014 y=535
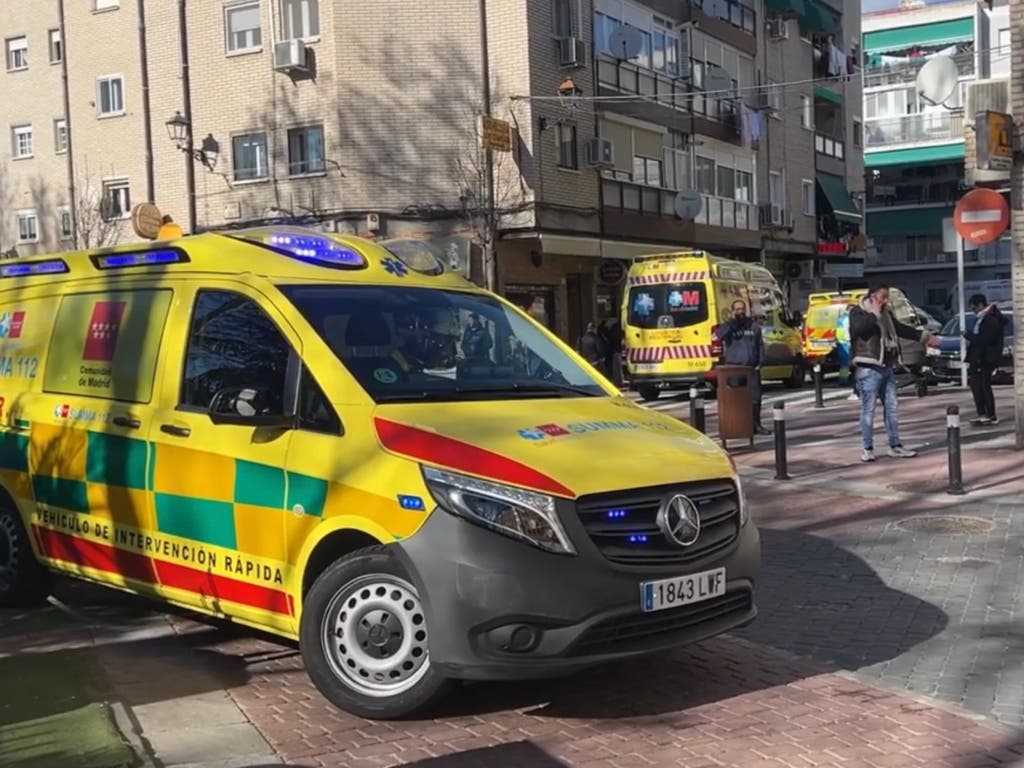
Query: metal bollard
x=781 y=465
x=696 y=409
x=819 y=383
x=956 y=475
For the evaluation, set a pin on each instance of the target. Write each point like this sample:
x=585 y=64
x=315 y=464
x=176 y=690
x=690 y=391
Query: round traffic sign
x=981 y=216
x=611 y=272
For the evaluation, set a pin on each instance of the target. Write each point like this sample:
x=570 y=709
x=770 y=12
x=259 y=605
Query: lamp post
x=180 y=132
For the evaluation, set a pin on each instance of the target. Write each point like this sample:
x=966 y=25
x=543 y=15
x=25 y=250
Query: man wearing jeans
x=875 y=336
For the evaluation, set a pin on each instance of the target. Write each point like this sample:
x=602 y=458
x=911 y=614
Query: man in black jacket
x=875 y=335
x=744 y=345
x=984 y=350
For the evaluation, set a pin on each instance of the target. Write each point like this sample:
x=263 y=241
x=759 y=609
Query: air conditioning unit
x=771 y=216
x=778 y=29
x=799 y=270
x=987 y=96
x=572 y=52
x=600 y=152
x=291 y=55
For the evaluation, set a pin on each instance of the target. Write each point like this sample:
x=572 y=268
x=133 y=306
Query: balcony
x=830 y=154
x=905 y=71
x=624 y=202
x=736 y=13
x=712 y=116
x=939 y=125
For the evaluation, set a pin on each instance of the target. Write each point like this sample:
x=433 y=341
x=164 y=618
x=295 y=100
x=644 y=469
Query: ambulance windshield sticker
x=105 y=344
x=385 y=376
x=683 y=300
x=643 y=304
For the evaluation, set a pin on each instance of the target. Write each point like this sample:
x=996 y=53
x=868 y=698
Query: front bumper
x=667 y=381
x=480 y=589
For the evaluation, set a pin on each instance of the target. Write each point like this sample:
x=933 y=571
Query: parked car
x=945 y=360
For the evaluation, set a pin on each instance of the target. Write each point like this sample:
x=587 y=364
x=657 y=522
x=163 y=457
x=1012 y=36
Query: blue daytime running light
x=615 y=514
x=317 y=250
x=638 y=538
x=139 y=259
x=53 y=267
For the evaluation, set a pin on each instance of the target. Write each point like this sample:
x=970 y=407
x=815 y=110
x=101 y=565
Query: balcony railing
x=911 y=129
x=672 y=93
x=906 y=71
x=737 y=14
x=826 y=145
x=627 y=197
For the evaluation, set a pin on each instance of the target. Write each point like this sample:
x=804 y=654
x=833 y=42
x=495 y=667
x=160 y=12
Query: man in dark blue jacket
x=744 y=346
x=985 y=341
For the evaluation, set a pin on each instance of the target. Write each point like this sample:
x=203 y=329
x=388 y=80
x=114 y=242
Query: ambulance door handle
x=127 y=421
x=170 y=429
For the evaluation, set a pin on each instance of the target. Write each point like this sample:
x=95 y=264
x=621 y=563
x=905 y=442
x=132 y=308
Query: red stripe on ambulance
x=436 y=449
x=131 y=565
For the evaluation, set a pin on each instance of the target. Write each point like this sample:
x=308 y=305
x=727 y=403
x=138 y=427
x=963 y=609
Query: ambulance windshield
x=669 y=305
x=410 y=344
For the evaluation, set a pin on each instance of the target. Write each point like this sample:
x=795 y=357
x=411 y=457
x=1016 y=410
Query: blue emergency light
x=321 y=251
x=140 y=259
x=49 y=267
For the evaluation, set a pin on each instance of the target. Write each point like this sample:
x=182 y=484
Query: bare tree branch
x=97 y=222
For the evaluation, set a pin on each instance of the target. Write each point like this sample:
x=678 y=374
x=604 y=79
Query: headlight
x=1007 y=351
x=520 y=514
x=740 y=494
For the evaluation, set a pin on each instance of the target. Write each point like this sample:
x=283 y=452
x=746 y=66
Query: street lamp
x=179 y=130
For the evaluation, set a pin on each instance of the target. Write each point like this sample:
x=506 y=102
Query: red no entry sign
x=981 y=216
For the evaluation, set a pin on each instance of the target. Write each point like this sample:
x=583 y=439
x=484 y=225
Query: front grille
x=641 y=630
x=623 y=525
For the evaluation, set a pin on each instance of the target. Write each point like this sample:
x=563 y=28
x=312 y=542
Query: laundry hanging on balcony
x=751 y=127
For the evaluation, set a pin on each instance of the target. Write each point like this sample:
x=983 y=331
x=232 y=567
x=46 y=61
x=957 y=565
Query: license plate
x=682 y=590
x=954 y=364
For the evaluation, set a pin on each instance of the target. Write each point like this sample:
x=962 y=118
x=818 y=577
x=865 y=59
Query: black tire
x=368 y=591
x=798 y=376
x=648 y=392
x=24 y=583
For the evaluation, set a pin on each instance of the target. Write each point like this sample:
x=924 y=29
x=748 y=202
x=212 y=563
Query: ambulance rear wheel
x=648 y=392
x=24 y=583
x=363 y=638
x=798 y=376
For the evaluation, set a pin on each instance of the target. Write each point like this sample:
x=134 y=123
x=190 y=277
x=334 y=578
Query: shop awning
x=839 y=198
x=907 y=222
x=785 y=7
x=819 y=18
x=944 y=153
x=827 y=95
x=936 y=33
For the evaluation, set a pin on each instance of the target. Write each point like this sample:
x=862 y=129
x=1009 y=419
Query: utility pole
x=491 y=229
x=1017 y=207
x=66 y=93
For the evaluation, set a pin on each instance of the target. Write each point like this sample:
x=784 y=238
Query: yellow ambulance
x=340 y=442
x=673 y=306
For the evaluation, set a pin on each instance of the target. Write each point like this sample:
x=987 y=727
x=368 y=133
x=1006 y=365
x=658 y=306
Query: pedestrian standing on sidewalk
x=591 y=347
x=984 y=350
x=875 y=334
x=744 y=346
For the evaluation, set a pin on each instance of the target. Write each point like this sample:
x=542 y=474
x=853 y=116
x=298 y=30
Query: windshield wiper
x=532 y=388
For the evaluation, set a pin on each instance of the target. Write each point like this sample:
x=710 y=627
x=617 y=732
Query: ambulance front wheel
x=24 y=583
x=363 y=638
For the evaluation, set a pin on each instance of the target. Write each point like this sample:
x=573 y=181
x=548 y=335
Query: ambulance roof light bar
x=28 y=268
x=304 y=245
x=152 y=258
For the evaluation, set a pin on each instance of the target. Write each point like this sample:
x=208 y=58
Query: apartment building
x=919 y=157
x=365 y=118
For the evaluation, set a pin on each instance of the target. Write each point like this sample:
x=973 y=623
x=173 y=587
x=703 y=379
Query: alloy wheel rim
x=374 y=636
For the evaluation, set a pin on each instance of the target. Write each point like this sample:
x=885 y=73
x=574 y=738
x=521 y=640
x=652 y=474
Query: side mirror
x=246 y=407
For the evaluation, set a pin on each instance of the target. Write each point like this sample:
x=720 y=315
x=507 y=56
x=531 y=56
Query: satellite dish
x=937 y=80
x=717 y=79
x=688 y=204
x=626 y=43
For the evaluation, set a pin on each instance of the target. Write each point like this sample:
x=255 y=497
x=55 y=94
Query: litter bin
x=735 y=407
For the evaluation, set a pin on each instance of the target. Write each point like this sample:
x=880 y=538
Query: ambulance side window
x=315 y=411
x=233 y=343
